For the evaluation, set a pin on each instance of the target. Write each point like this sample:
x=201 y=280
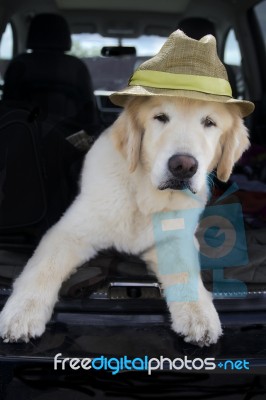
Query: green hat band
x=166 y=80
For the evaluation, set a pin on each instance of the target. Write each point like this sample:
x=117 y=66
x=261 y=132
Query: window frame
x=258 y=41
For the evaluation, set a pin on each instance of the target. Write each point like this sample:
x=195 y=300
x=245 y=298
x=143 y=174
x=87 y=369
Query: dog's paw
x=197 y=324
x=20 y=321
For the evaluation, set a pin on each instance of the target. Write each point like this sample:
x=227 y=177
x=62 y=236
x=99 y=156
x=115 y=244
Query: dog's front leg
x=64 y=247
x=195 y=319
x=190 y=304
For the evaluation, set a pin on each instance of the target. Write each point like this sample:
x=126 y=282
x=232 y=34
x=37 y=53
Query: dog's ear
x=233 y=144
x=127 y=134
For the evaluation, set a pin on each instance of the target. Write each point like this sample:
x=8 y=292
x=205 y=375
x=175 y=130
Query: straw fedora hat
x=184 y=67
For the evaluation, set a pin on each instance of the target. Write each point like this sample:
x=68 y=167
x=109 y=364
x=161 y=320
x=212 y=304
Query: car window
x=6 y=52
x=112 y=73
x=232 y=53
x=7 y=43
x=90 y=45
x=233 y=62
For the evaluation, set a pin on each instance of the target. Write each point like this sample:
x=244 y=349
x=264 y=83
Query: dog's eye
x=208 y=122
x=162 y=118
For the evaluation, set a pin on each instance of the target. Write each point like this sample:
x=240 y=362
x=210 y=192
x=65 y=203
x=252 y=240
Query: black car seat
x=196 y=28
x=59 y=84
x=38 y=175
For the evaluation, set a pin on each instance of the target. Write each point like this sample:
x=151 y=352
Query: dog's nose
x=182 y=166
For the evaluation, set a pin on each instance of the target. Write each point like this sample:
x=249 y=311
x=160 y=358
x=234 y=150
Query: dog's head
x=179 y=141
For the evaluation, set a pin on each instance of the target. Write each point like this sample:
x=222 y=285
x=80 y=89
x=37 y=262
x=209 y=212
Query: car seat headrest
x=196 y=27
x=49 y=32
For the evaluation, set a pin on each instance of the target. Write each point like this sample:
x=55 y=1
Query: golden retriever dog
x=154 y=158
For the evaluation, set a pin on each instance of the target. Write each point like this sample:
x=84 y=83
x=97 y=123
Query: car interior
x=59 y=62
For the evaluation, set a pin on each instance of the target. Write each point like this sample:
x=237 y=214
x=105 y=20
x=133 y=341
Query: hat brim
x=121 y=97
